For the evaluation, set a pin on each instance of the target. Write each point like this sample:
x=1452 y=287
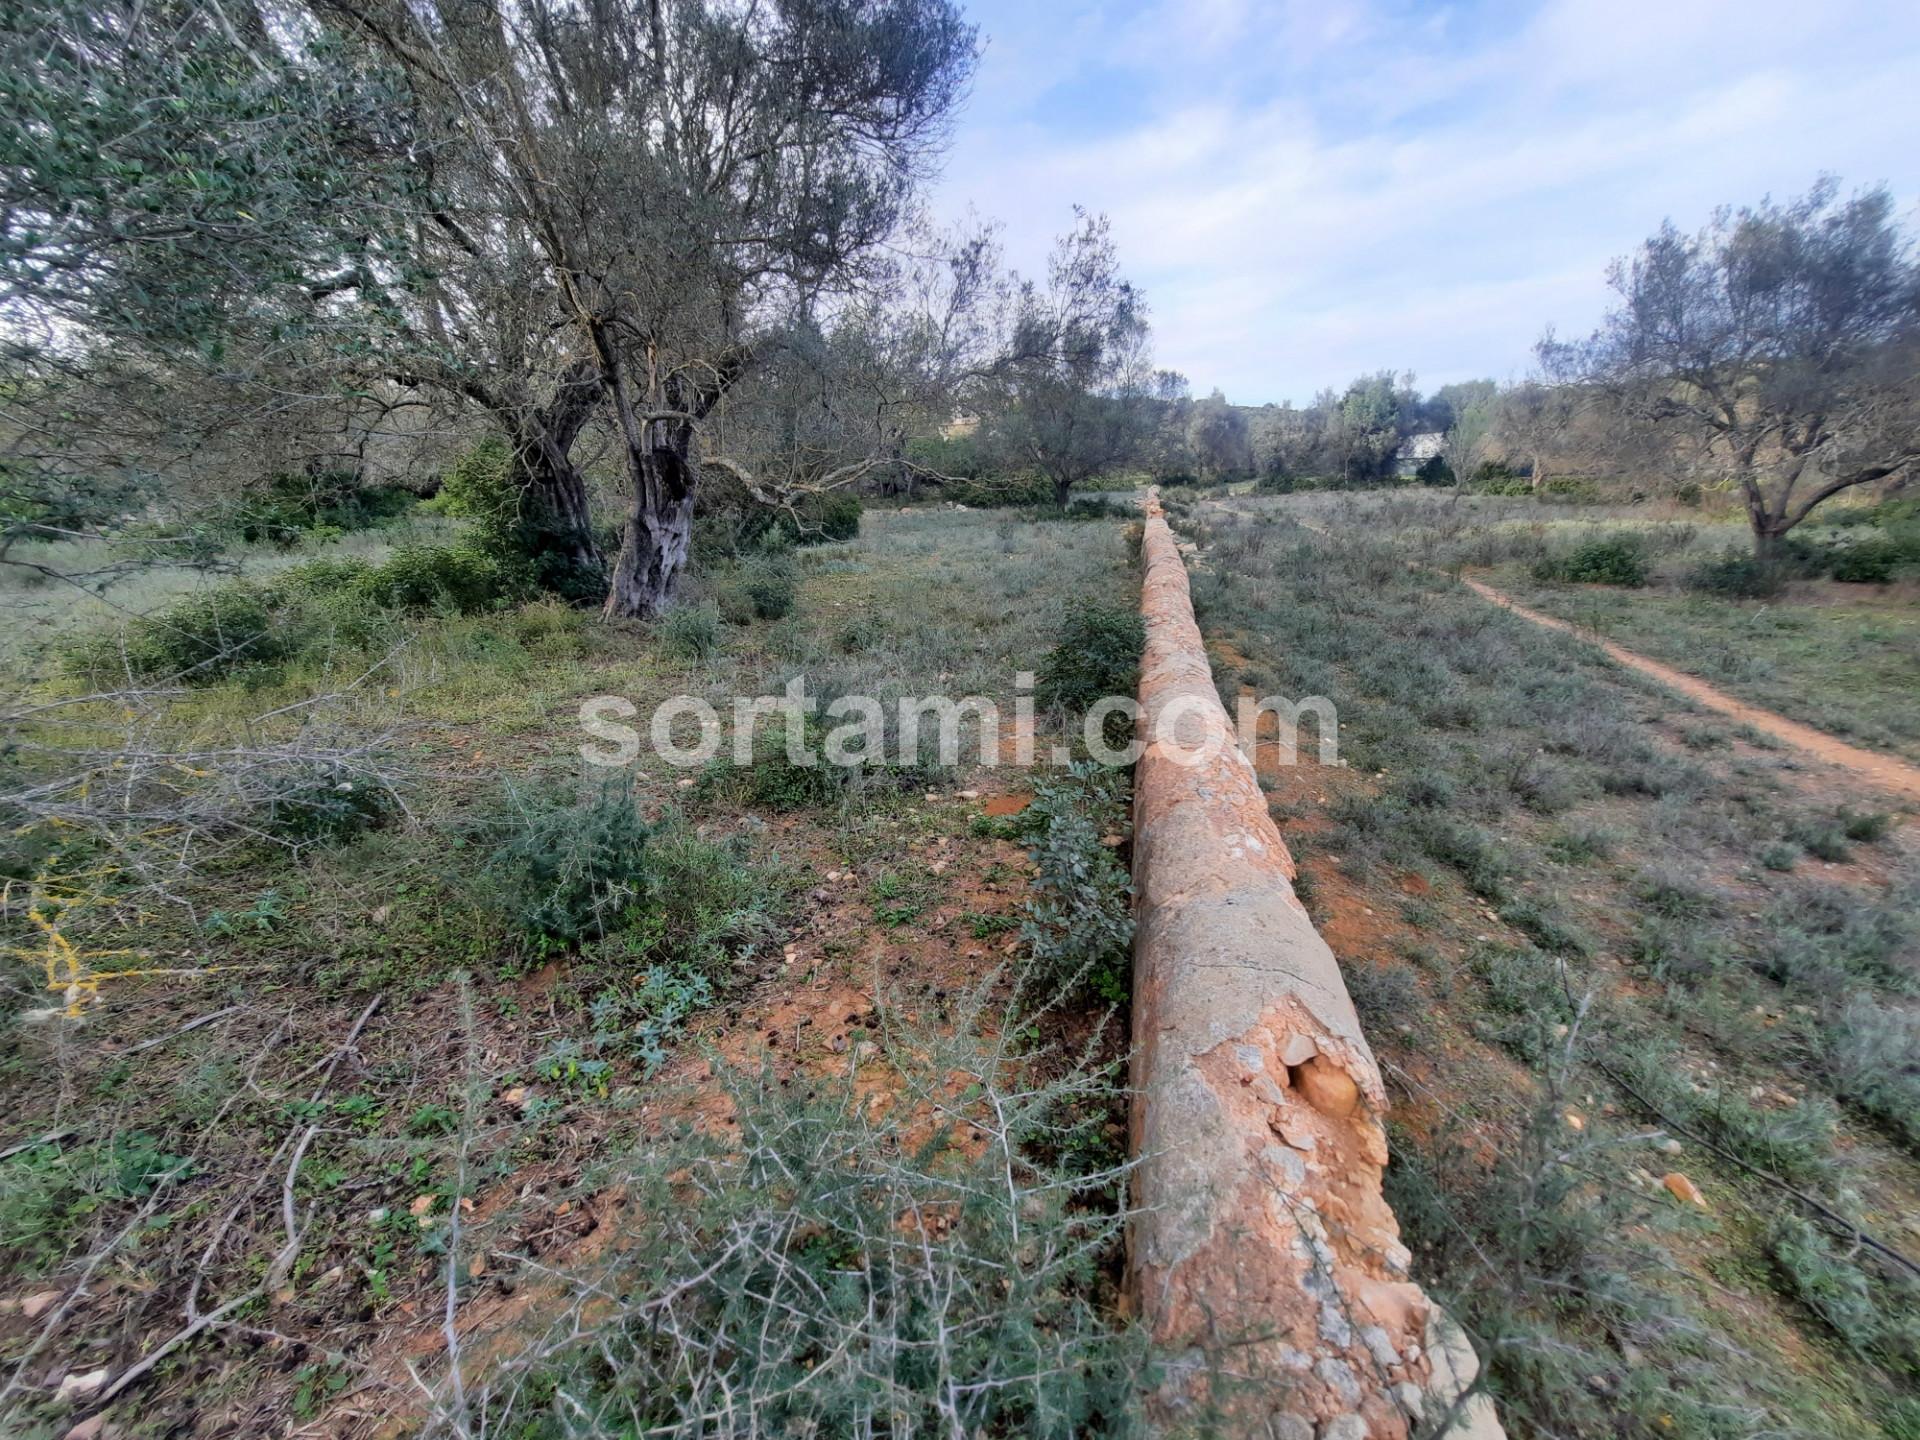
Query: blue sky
x=1310 y=189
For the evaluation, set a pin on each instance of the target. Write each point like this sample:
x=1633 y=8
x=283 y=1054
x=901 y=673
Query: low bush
x=777 y=781
x=1870 y=1051
x=566 y=870
x=734 y=524
x=207 y=637
x=1571 y=488
x=706 y=902
x=1879 y=1319
x=1087 y=507
x=1618 y=560
x=287 y=507
x=691 y=632
x=1552 y=1274
x=1871 y=562
x=1737 y=575
x=1098 y=655
x=1795 y=1143
x=773 y=781
x=832 y=1268
x=198 y=640
x=991 y=492
x=770 y=586
x=458 y=578
x=1079 y=925
x=324 y=804
x=48 y=1191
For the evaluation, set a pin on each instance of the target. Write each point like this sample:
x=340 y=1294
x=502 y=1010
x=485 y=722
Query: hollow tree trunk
x=659 y=528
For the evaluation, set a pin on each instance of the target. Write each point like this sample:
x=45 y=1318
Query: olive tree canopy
x=1071 y=392
x=663 y=184
x=1783 y=339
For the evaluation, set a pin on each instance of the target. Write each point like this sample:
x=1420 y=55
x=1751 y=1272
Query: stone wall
x=1264 y=1257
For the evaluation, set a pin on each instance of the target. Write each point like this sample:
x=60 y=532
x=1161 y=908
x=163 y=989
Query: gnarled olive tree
x=666 y=181
x=1782 y=340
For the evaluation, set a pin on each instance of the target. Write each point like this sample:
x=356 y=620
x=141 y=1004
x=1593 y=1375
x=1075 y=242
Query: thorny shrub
x=826 y=1266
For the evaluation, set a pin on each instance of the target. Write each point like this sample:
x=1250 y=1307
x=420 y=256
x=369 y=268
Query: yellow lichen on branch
x=69 y=970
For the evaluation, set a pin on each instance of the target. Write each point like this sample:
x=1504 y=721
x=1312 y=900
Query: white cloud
x=1307 y=190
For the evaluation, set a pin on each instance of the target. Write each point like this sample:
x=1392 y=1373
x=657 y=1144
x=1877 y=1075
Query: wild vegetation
x=1644 y=987
x=439 y=1043
x=402 y=400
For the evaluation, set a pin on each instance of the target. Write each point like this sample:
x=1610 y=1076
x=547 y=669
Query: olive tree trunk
x=659 y=527
x=556 y=521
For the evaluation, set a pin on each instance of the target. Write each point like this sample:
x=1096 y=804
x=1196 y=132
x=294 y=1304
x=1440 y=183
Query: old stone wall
x=1264 y=1257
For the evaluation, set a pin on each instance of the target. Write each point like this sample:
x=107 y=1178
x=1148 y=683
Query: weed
x=641 y=1021
x=1079 y=925
x=1619 y=560
x=1098 y=655
x=570 y=871
x=691 y=632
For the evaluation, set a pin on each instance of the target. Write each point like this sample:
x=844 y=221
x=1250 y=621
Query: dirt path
x=1892 y=775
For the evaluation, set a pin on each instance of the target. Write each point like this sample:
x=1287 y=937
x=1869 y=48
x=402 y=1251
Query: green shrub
x=737 y=524
x=1870 y=1051
x=1822 y=839
x=463 y=578
x=1098 y=655
x=481 y=487
x=288 y=507
x=829 y=518
x=1547 y=927
x=319 y=579
x=1526 y=998
x=49 y=1192
x=730 y=598
x=569 y=871
x=831 y=1268
x=1737 y=575
x=1871 y=562
x=1881 y=1320
x=770 y=586
x=1617 y=560
x=1000 y=491
x=691 y=632
x=706 y=901
x=775 y=781
x=1795 y=1143
x=197 y=640
x=1434 y=470
x=324 y=804
x=1865 y=826
x=1079 y=925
